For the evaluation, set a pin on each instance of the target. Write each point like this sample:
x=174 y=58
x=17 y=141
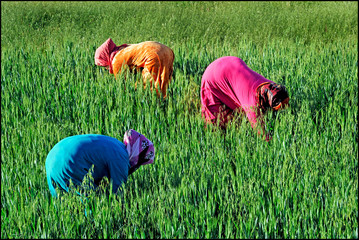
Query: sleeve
x=252 y=117
x=256 y=123
x=120 y=62
x=118 y=169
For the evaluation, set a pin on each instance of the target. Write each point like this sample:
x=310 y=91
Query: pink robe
x=228 y=84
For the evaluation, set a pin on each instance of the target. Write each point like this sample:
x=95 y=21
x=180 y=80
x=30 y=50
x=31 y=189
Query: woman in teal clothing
x=73 y=157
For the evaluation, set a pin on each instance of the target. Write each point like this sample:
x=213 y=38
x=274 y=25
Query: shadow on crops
x=319 y=100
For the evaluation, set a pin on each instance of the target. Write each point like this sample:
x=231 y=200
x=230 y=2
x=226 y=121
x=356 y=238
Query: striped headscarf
x=273 y=96
x=139 y=148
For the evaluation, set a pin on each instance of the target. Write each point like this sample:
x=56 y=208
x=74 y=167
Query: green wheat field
x=205 y=182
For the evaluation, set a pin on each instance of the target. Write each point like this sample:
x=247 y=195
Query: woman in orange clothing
x=154 y=59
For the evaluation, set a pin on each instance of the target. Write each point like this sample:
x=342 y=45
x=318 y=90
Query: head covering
x=105 y=53
x=273 y=96
x=139 y=148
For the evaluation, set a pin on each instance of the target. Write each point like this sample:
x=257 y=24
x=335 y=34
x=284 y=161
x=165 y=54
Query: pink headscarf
x=136 y=143
x=105 y=53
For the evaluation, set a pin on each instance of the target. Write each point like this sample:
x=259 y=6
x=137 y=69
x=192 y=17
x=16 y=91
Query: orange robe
x=155 y=60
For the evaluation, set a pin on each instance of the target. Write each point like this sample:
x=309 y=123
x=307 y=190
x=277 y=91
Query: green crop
x=205 y=182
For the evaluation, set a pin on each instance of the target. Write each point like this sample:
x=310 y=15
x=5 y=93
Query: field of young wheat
x=205 y=182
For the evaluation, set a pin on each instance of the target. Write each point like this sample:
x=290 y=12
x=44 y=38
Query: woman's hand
x=268 y=137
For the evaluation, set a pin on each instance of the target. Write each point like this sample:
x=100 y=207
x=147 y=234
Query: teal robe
x=73 y=157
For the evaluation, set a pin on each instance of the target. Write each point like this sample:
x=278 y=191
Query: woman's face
x=278 y=96
x=278 y=104
x=133 y=169
x=141 y=160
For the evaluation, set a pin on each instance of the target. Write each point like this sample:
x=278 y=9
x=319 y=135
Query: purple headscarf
x=136 y=143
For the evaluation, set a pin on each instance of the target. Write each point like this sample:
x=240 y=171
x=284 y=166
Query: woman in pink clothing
x=229 y=85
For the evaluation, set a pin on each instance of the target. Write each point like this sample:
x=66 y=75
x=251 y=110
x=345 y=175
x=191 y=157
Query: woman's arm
x=119 y=63
x=257 y=123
